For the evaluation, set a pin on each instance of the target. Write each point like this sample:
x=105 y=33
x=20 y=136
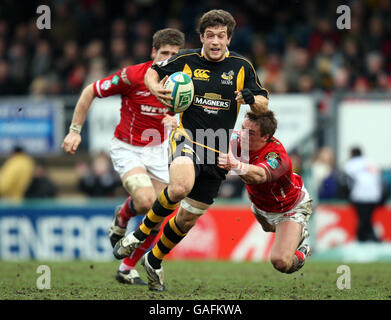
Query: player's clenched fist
x=245 y=96
x=227 y=161
x=71 y=142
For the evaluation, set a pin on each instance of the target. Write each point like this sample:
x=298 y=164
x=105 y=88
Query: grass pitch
x=193 y=280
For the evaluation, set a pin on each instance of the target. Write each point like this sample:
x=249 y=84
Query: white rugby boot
x=129 y=277
x=125 y=246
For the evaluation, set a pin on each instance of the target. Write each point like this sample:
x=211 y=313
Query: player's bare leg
x=285 y=256
x=139 y=186
x=182 y=177
x=174 y=231
x=266 y=226
x=140 y=201
x=131 y=261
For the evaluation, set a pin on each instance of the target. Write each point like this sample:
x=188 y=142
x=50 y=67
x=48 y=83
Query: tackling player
x=139 y=146
x=223 y=80
x=280 y=202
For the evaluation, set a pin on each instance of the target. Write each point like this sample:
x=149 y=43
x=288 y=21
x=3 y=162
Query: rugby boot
x=129 y=277
x=125 y=246
x=116 y=232
x=155 y=276
x=306 y=251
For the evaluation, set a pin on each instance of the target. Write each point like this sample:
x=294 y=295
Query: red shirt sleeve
x=117 y=83
x=275 y=164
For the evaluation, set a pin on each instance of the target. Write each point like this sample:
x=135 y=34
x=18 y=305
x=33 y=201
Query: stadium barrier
x=59 y=231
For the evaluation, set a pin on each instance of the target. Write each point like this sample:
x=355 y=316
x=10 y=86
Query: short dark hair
x=266 y=121
x=217 y=17
x=169 y=36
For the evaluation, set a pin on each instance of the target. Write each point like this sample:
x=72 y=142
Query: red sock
x=299 y=255
x=125 y=212
x=140 y=251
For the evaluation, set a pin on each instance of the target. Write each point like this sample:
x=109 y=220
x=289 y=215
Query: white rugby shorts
x=154 y=159
x=300 y=214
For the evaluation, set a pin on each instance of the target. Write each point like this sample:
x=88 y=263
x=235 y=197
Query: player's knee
x=178 y=192
x=281 y=262
x=186 y=222
x=143 y=202
x=135 y=182
x=187 y=225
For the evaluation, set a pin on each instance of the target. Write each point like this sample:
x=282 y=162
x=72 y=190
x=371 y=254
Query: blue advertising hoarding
x=35 y=125
x=54 y=231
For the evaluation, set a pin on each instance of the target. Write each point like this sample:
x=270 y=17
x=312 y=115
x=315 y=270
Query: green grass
x=193 y=280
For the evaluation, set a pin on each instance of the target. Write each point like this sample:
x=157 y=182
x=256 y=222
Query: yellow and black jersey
x=214 y=109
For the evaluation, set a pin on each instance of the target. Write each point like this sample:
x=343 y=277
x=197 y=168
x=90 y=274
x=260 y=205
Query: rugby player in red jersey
x=139 y=148
x=279 y=199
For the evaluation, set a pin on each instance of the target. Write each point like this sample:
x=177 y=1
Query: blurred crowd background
x=295 y=47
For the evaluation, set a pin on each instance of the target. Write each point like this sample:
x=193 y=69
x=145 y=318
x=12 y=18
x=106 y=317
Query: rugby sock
x=161 y=208
x=127 y=211
x=140 y=251
x=170 y=237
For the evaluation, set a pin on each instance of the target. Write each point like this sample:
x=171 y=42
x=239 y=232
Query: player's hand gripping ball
x=182 y=93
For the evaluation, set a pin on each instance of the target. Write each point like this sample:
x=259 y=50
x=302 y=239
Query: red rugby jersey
x=141 y=112
x=282 y=191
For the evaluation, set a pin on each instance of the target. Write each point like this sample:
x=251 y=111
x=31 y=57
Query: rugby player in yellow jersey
x=223 y=80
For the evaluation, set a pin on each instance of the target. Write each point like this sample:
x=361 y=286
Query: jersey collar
x=226 y=52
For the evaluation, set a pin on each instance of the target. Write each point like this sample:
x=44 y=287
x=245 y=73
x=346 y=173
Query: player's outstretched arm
x=155 y=85
x=260 y=104
x=73 y=138
x=249 y=173
x=253 y=174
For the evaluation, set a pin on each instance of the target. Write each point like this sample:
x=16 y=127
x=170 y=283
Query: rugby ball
x=182 y=91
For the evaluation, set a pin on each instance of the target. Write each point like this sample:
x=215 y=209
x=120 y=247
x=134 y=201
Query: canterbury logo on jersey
x=201 y=74
x=214 y=102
